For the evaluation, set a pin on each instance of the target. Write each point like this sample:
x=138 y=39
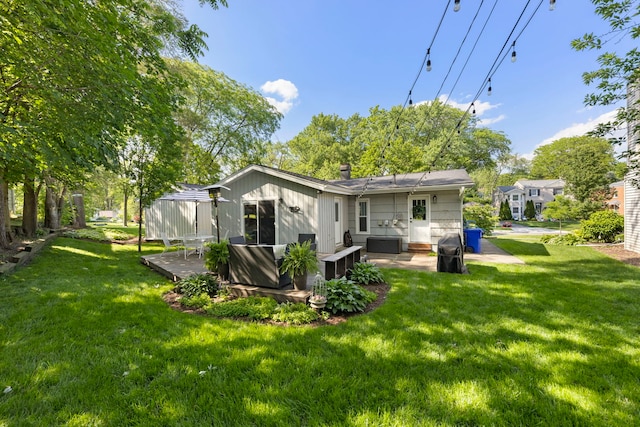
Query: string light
x=473 y=106
x=429 y=59
x=552 y=4
x=513 y=52
x=456 y=5
x=410 y=100
x=489 y=89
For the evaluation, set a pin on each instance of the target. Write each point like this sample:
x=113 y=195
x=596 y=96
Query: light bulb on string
x=456 y=5
x=513 y=52
x=489 y=89
x=552 y=4
x=410 y=100
x=473 y=106
x=428 y=59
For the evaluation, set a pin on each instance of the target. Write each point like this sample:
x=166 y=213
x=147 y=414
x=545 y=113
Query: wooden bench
x=336 y=265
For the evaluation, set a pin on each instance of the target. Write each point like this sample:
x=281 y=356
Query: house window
x=538 y=207
x=557 y=191
x=516 y=210
x=515 y=197
x=362 y=219
x=534 y=192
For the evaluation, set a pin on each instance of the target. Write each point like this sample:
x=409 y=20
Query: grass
x=553 y=225
x=85 y=339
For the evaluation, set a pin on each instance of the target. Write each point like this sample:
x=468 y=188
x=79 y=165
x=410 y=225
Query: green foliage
x=299 y=259
x=365 y=273
x=294 y=313
x=196 y=301
x=87 y=233
x=505 y=211
x=569 y=239
x=344 y=295
x=255 y=308
x=562 y=208
x=218 y=253
x=197 y=284
x=415 y=146
x=602 y=226
x=530 y=209
x=482 y=216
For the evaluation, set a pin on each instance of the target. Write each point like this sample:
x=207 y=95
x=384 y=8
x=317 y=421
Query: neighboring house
x=632 y=179
x=540 y=191
x=616 y=201
x=185 y=211
x=272 y=206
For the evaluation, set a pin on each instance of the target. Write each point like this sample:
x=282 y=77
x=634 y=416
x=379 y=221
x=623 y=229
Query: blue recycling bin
x=472 y=237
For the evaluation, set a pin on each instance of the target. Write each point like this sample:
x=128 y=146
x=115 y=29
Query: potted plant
x=298 y=261
x=216 y=259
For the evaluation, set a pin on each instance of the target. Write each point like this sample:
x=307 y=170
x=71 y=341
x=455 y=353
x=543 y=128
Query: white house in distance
x=540 y=191
x=272 y=206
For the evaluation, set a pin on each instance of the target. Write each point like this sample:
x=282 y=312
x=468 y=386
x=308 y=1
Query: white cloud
x=576 y=129
x=480 y=107
x=285 y=90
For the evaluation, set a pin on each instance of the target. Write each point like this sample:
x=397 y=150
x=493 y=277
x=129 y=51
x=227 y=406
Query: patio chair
x=308 y=238
x=192 y=245
x=237 y=240
x=168 y=244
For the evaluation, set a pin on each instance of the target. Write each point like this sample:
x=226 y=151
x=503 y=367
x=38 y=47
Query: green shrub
x=602 y=226
x=196 y=301
x=343 y=295
x=116 y=234
x=87 y=233
x=365 y=273
x=197 y=284
x=296 y=314
x=256 y=308
x=482 y=216
x=569 y=239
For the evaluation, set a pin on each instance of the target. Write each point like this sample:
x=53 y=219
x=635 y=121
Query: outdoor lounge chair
x=237 y=240
x=168 y=244
x=308 y=238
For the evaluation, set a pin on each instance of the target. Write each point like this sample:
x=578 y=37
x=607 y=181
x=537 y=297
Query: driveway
x=523 y=229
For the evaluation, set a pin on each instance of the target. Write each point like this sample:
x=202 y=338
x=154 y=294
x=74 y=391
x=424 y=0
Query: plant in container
x=298 y=261
x=216 y=259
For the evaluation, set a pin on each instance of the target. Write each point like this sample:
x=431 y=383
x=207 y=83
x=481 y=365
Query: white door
x=337 y=217
x=419 y=229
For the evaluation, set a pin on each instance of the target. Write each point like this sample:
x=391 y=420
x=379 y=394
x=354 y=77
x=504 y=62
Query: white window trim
x=357 y=216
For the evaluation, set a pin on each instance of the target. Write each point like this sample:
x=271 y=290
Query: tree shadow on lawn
x=487 y=348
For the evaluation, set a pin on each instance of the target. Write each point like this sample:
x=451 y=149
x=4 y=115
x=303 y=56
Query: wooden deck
x=175 y=267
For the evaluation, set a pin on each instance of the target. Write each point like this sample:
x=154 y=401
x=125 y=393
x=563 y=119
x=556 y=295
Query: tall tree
x=226 y=124
x=76 y=74
x=584 y=162
x=428 y=136
x=617 y=69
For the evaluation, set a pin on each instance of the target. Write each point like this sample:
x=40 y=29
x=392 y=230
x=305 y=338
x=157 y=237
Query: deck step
x=419 y=247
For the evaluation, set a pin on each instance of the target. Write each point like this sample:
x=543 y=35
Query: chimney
x=345 y=171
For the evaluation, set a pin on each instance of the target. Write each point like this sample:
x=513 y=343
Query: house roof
x=506 y=188
x=417 y=181
x=541 y=183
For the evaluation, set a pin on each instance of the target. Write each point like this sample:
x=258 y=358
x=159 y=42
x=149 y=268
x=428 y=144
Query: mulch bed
x=380 y=289
x=618 y=252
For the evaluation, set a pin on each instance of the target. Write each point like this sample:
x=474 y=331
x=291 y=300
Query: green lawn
x=554 y=225
x=85 y=339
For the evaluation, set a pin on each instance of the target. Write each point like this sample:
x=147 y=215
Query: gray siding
x=445 y=215
x=285 y=194
x=632 y=180
x=326 y=226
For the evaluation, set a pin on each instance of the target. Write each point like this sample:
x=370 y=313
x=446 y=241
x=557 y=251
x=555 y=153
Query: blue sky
x=344 y=57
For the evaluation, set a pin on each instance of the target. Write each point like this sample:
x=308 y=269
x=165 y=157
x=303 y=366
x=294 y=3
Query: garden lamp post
x=214 y=194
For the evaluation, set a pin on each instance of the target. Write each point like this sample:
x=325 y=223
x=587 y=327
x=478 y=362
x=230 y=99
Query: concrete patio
x=174 y=266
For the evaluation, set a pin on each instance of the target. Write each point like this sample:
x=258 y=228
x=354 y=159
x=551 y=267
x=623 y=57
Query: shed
x=185 y=211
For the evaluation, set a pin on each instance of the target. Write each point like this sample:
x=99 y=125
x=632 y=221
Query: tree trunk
x=126 y=202
x=53 y=204
x=29 y=208
x=78 y=202
x=5 y=220
x=140 y=224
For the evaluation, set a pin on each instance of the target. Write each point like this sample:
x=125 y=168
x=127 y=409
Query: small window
x=515 y=197
x=557 y=191
x=516 y=210
x=534 y=192
x=362 y=219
